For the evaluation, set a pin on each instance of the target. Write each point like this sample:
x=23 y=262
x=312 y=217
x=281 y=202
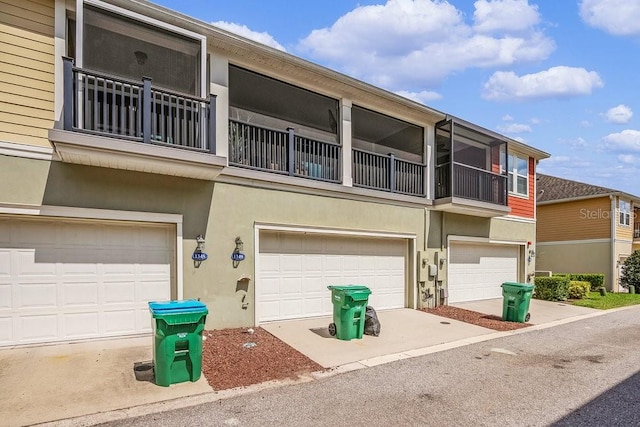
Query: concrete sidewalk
x=96 y=380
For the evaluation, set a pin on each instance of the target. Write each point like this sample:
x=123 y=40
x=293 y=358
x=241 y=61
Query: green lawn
x=608 y=301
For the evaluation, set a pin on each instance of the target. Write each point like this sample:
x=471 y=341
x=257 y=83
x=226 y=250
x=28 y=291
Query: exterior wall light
x=237 y=255
x=199 y=255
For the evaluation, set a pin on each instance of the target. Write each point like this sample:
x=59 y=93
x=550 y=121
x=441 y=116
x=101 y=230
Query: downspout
x=613 y=240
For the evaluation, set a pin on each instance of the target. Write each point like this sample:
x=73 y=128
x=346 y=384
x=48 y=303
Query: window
x=518 y=169
x=624 y=209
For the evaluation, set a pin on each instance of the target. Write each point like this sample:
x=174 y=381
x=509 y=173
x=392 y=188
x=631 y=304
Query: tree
x=631 y=271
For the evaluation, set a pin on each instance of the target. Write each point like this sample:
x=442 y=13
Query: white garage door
x=295 y=270
x=476 y=271
x=64 y=279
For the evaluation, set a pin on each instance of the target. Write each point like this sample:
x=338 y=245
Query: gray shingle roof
x=553 y=188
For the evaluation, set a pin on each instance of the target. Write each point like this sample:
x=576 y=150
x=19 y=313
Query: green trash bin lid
x=523 y=286
x=170 y=308
x=348 y=288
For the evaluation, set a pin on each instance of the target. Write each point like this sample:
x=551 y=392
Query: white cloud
x=514 y=128
x=578 y=143
x=422 y=97
x=535 y=121
x=629 y=159
x=620 y=114
x=507 y=118
x=628 y=140
x=504 y=15
x=618 y=17
x=244 y=31
x=585 y=124
x=417 y=43
x=556 y=82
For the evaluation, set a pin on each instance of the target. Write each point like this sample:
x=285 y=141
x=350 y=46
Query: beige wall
x=26 y=71
x=220 y=212
x=577 y=220
x=234 y=212
x=584 y=257
x=492 y=229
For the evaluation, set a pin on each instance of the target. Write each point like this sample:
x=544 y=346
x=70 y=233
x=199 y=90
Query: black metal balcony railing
x=386 y=172
x=283 y=152
x=111 y=106
x=470 y=183
x=636 y=231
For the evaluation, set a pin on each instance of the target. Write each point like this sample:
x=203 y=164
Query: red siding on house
x=525 y=206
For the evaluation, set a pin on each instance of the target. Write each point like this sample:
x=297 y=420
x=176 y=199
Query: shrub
x=579 y=289
x=631 y=271
x=595 y=279
x=553 y=288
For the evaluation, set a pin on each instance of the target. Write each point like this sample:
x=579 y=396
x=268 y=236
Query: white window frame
x=624 y=213
x=512 y=170
x=141 y=18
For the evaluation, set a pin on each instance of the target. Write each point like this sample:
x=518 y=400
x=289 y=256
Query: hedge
x=579 y=289
x=555 y=288
x=595 y=279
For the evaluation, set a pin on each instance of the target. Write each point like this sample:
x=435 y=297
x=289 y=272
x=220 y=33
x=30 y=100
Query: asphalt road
x=584 y=373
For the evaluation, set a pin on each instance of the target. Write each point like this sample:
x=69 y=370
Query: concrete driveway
x=403 y=333
x=40 y=384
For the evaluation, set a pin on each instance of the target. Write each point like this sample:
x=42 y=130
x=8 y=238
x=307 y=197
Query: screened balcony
x=470 y=167
x=388 y=153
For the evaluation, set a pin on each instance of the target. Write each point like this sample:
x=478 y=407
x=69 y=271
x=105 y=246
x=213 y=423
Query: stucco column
x=345 y=135
x=219 y=86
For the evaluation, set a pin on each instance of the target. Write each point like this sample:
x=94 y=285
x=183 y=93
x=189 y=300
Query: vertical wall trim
x=79 y=35
x=345 y=136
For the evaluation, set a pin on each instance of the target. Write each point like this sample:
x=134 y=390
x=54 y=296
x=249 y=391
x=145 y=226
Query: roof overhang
x=93 y=150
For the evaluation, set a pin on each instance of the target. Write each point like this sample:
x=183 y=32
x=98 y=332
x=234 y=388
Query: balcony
x=123 y=124
x=471 y=183
x=636 y=232
x=387 y=173
x=469 y=174
x=285 y=153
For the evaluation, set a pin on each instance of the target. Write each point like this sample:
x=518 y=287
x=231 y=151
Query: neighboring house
x=584 y=228
x=132 y=136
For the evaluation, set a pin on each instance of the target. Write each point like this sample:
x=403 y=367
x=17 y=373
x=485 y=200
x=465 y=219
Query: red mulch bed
x=227 y=363
x=476 y=318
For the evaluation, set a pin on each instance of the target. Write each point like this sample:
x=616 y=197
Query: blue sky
x=560 y=75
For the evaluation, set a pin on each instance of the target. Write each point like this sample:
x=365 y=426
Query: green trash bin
x=349 y=307
x=177 y=340
x=515 y=303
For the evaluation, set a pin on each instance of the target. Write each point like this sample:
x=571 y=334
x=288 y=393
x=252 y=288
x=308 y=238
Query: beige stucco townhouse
x=132 y=137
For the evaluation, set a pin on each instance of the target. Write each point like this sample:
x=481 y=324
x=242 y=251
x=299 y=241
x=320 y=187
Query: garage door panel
x=476 y=271
x=38 y=328
x=6 y=331
x=38 y=295
x=120 y=322
x=58 y=278
x=153 y=290
x=80 y=294
x=336 y=260
x=81 y=325
x=118 y=292
x=6 y=296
